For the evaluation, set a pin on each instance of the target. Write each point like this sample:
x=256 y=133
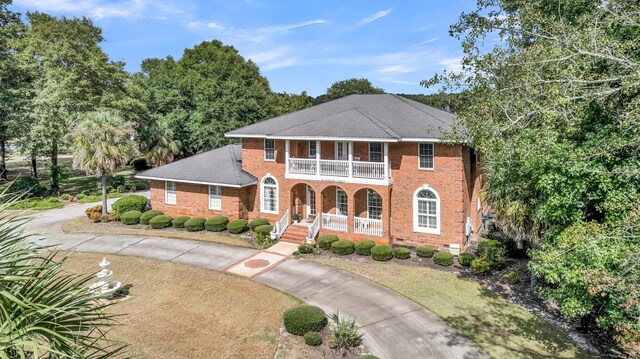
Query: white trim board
x=196 y=182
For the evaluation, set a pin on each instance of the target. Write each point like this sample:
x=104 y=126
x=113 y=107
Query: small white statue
x=104 y=288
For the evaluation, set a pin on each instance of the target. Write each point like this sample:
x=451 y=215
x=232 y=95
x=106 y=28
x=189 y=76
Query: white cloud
x=400 y=82
x=397 y=69
x=275 y=58
x=371 y=18
x=264 y=33
x=215 y=26
x=453 y=64
x=194 y=25
x=428 y=41
x=99 y=9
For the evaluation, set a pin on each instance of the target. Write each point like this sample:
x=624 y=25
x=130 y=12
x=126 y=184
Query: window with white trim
x=269 y=149
x=374 y=205
x=375 y=151
x=341 y=202
x=215 y=198
x=426 y=211
x=342 y=151
x=169 y=192
x=269 y=198
x=312 y=149
x=425 y=156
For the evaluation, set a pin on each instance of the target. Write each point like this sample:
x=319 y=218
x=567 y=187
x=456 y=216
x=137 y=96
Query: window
x=341 y=203
x=425 y=154
x=375 y=152
x=374 y=205
x=426 y=211
x=269 y=149
x=342 y=151
x=169 y=192
x=215 y=198
x=269 y=202
x=312 y=149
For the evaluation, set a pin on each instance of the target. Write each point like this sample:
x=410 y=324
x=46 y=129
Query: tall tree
x=164 y=147
x=102 y=144
x=283 y=103
x=555 y=110
x=351 y=86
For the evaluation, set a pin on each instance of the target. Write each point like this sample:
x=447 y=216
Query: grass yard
x=37 y=204
x=502 y=329
x=179 y=311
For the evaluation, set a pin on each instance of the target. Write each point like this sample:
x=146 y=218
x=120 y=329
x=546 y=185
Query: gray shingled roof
x=222 y=166
x=384 y=117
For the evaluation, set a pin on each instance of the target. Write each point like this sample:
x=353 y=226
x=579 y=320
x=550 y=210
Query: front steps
x=295 y=234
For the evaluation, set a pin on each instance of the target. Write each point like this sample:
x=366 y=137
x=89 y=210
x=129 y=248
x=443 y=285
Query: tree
x=283 y=103
x=351 y=86
x=164 y=147
x=44 y=311
x=555 y=111
x=450 y=102
x=102 y=144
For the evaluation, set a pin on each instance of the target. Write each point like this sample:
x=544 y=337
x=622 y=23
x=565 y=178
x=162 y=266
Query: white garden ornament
x=104 y=288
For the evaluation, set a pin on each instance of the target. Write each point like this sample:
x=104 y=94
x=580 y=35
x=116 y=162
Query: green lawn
x=90 y=199
x=37 y=204
x=500 y=328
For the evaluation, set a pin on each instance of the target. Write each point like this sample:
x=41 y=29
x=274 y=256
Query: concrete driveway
x=393 y=326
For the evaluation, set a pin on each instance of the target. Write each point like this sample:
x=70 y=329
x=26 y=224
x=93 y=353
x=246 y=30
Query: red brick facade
x=455 y=178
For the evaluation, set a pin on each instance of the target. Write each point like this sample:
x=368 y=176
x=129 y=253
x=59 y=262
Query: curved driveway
x=393 y=326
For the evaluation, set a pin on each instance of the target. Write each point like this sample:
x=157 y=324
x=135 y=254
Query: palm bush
x=345 y=334
x=45 y=312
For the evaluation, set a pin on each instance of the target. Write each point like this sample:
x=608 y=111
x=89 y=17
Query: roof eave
x=196 y=182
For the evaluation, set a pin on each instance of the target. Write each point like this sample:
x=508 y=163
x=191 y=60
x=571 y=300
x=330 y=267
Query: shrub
x=195 y=224
x=94 y=213
x=402 y=253
x=147 y=216
x=237 y=226
x=425 y=252
x=85 y=192
x=369 y=356
x=324 y=242
x=178 y=222
x=26 y=186
x=81 y=196
x=117 y=181
x=263 y=242
x=363 y=248
x=122 y=189
x=140 y=186
x=139 y=163
x=131 y=217
x=443 y=258
x=104 y=218
x=345 y=334
x=381 y=253
x=306 y=248
x=465 y=259
x=312 y=339
x=159 y=222
x=303 y=319
x=132 y=202
x=53 y=200
x=493 y=252
x=343 y=247
x=480 y=266
x=264 y=231
x=258 y=222
x=511 y=277
x=114 y=216
x=65 y=197
x=216 y=224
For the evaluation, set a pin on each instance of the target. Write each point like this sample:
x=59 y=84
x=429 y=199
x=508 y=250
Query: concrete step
x=295 y=234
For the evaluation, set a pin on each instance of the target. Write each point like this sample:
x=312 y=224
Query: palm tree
x=45 y=312
x=102 y=144
x=163 y=148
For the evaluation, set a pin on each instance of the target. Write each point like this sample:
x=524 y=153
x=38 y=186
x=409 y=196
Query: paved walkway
x=393 y=326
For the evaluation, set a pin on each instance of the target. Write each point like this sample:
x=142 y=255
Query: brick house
x=362 y=167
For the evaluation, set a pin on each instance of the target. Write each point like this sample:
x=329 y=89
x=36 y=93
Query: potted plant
x=296 y=218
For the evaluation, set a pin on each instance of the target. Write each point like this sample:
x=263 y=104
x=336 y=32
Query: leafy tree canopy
x=349 y=87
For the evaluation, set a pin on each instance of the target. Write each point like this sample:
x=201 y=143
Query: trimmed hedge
x=402 y=253
x=179 y=221
x=257 y=223
x=303 y=319
x=146 y=216
x=216 y=224
x=382 y=253
x=312 y=339
x=425 y=252
x=133 y=202
x=465 y=259
x=195 y=224
x=443 y=258
x=305 y=248
x=324 y=242
x=159 y=222
x=343 y=247
x=363 y=248
x=237 y=226
x=131 y=217
x=264 y=231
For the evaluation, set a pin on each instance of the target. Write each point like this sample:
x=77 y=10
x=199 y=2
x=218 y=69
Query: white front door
x=311 y=202
x=342 y=151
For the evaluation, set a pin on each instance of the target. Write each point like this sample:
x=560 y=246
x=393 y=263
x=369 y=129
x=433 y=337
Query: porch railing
x=339 y=168
x=303 y=166
x=368 y=226
x=334 y=168
x=373 y=170
x=334 y=222
x=314 y=228
x=281 y=226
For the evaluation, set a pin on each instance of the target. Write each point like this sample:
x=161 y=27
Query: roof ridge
x=377 y=122
x=406 y=100
x=315 y=119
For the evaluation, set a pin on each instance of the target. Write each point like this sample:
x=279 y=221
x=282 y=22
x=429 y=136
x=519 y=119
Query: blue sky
x=299 y=45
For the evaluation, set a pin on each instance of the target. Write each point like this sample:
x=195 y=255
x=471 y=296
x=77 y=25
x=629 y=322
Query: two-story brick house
x=362 y=167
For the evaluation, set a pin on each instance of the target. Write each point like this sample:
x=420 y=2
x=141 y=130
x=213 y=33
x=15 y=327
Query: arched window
x=269 y=198
x=426 y=211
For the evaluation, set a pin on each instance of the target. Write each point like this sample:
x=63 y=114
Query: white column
x=318 y=157
x=287 y=149
x=386 y=160
x=350 y=159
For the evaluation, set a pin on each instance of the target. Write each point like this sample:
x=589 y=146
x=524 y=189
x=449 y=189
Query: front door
x=311 y=202
x=342 y=151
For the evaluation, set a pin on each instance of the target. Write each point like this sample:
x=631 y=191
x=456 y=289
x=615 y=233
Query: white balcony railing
x=373 y=170
x=334 y=222
x=334 y=168
x=303 y=166
x=368 y=226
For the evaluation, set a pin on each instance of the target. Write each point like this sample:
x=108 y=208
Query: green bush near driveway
x=65 y=197
x=133 y=202
x=237 y=226
x=443 y=258
x=343 y=247
x=159 y=222
x=179 y=221
x=312 y=339
x=381 y=253
x=425 y=252
x=216 y=224
x=264 y=231
x=306 y=248
x=257 y=223
x=146 y=216
x=195 y=224
x=402 y=253
x=363 y=248
x=465 y=259
x=303 y=319
x=324 y=242
x=131 y=217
